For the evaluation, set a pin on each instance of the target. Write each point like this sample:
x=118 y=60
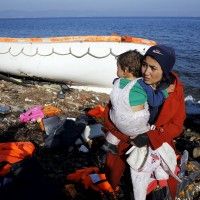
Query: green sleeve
x=165 y=93
x=137 y=95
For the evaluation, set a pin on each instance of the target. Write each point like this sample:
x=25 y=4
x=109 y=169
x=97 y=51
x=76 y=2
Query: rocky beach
x=57 y=164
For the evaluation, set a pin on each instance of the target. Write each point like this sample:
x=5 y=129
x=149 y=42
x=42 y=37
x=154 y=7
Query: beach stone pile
x=57 y=164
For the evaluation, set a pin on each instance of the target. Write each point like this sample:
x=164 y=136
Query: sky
x=90 y=8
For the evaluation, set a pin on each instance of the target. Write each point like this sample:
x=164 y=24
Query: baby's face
x=120 y=72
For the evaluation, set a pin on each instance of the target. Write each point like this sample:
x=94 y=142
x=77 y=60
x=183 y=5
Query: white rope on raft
x=57 y=53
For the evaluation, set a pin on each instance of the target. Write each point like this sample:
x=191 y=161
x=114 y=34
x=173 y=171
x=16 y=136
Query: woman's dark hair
x=130 y=60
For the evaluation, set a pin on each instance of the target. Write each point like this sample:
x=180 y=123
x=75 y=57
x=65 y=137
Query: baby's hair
x=130 y=60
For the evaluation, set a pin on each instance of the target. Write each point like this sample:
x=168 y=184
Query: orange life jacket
x=80 y=173
x=12 y=152
x=50 y=110
x=99 y=183
x=96 y=112
x=90 y=178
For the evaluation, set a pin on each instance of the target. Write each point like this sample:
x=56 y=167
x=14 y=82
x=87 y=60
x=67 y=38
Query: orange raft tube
x=112 y=38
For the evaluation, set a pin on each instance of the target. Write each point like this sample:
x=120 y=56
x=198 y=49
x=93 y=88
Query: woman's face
x=151 y=71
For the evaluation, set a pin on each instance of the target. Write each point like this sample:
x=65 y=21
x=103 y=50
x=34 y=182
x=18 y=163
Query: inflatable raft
x=84 y=60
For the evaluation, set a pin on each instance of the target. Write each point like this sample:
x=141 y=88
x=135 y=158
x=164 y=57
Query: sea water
x=182 y=33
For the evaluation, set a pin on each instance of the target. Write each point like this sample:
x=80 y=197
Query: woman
x=168 y=118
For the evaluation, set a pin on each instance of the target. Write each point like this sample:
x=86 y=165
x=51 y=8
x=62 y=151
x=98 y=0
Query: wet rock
x=196 y=152
x=70 y=190
x=193 y=122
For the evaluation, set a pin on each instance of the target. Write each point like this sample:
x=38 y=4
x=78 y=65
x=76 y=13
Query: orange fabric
x=13 y=152
x=128 y=38
x=96 y=112
x=92 y=38
x=81 y=173
x=50 y=110
x=99 y=186
x=87 y=182
x=42 y=126
x=85 y=177
x=105 y=185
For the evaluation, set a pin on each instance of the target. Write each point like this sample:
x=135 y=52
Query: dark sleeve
x=141 y=140
x=114 y=80
x=154 y=98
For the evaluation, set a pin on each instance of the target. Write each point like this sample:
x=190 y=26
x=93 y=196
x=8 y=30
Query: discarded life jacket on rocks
x=99 y=183
x=96 y=112
x=80 y=173
x=12 y=152
x=90 y=178
x=50 y=110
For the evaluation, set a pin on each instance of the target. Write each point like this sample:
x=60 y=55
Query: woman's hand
x=131 y=141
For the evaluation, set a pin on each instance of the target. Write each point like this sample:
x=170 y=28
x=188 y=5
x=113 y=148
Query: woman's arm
x=170 y=121
x=169 y=124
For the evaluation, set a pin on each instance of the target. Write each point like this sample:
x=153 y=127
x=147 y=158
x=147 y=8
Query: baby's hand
x=171 y=88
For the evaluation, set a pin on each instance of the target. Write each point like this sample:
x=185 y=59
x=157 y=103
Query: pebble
x=196 y=152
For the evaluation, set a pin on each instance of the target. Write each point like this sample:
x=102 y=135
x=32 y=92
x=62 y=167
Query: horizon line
x=46 y=17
